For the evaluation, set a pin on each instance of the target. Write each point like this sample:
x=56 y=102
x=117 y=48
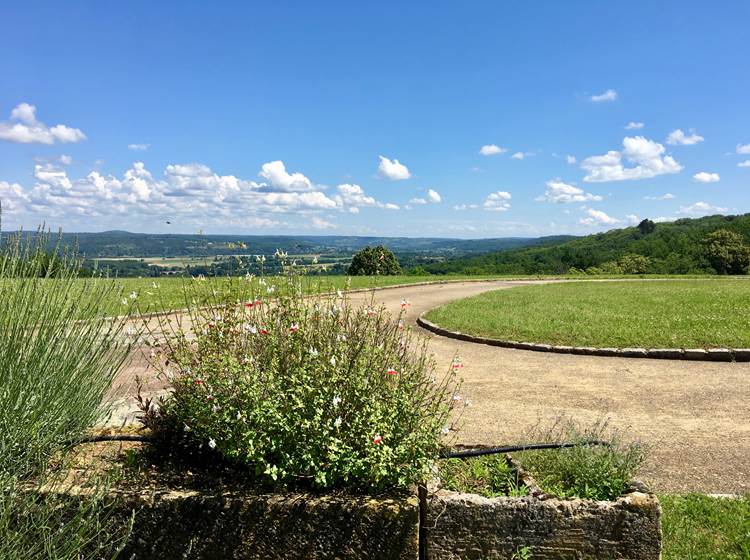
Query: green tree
x=634 y=264
x=646 y=227
x=727 y=252
x=372 y=261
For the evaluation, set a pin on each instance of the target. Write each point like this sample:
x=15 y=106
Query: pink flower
x=263 y=331
x=198 y=382
x=405 y=303
x=210 y=398
x=378 y=439
x=457 y=364
x=391 y=371
x=249 y=304
x=294 y=328
x=257 y=302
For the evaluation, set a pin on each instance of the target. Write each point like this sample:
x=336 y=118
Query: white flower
x=315 y=260
x=239 y=415
x=271 y=290
x=445 y=430
x=456 y=398
x=333 y=360
x=313 y=351
x=336 y=401
x=337 y=423
x=339 y=293
x=124 y=301
x=212 y=443
x=133 y=295
x=252 y=329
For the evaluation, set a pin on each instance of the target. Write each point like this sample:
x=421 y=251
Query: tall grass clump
x=302 y=390
x=586 y=470
x=58 y=356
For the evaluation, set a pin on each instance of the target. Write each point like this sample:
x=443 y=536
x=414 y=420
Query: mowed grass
x=697 y=527
x=695 y=313
x=169 y=293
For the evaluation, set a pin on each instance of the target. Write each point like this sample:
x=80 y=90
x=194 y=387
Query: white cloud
x=743 y=148
x=558 y=191
x=609 y=95
x=677 y=137
x=434 y=196
x=597 y=218
x=461 y=207
x=632 y=219
x=139 y=147
x=353 y=197
x=497 y=201
x=24 y=128
x=745 y=163
x=65 y=160
x=276 y=174
x=185 y=193
x=662 y=219
x=570 y=159
x=393 y=169
x=665 y=196
x=646 y=155
x=705 y=177
x=701 y=209
x=320 y=223
x=521 y=155
x=491 y=150
x=634 y=125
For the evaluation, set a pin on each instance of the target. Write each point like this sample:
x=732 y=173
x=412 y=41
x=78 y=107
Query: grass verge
x=696 y=313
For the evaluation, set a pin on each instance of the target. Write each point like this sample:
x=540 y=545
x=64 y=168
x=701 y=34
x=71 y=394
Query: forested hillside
x=669 y=248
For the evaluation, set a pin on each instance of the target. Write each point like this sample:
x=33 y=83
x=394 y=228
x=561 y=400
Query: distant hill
x=109 y=244
x=672 y=248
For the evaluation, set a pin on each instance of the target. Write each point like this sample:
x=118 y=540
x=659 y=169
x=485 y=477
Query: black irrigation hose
x=465 y=453
x=116 y=437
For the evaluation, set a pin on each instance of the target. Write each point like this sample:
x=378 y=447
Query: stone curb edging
x=693 y=354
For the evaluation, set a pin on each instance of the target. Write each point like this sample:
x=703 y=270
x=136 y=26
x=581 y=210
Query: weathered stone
x=695 y=354
x=720 y=355
x=467 y=526
x=172 y=524
x=562 y=349
x=633 y=352
x=666 y=353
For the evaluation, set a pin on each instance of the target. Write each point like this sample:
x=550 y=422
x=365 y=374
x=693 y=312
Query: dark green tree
x=727 y=252
x=373 y=261
x=646 y=227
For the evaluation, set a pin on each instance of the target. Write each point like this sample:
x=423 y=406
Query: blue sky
x=353 y=118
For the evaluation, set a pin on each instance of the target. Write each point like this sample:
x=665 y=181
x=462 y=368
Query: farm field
x=694 y=313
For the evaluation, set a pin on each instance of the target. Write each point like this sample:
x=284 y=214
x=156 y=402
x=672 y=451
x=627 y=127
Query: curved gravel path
x=694 y=416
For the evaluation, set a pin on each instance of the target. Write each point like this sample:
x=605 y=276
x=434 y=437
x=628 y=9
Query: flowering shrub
x=304 y=390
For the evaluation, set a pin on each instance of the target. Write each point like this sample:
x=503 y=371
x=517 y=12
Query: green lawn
x=695 y=313
x=698 y=527
x=165 y=293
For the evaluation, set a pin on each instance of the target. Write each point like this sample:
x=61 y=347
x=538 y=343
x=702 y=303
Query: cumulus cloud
x=665 y=196
x=320 y=223
x=701 y=209
x=491 y=150
x=191 y=192
x=433 y=196
x=276 y=174
x=609 y=95
x=597 y=218
x=745 y=163
x=679 y=138
x=353 y=197
x=634 y=125
x=743 y=149
x=497 y=201
x=570 y=159
x=139 y=147
x=393 y=169
x=560 y=192
x=24 y=128
x=705 y=177
x=647 y=157
x=632 y=219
